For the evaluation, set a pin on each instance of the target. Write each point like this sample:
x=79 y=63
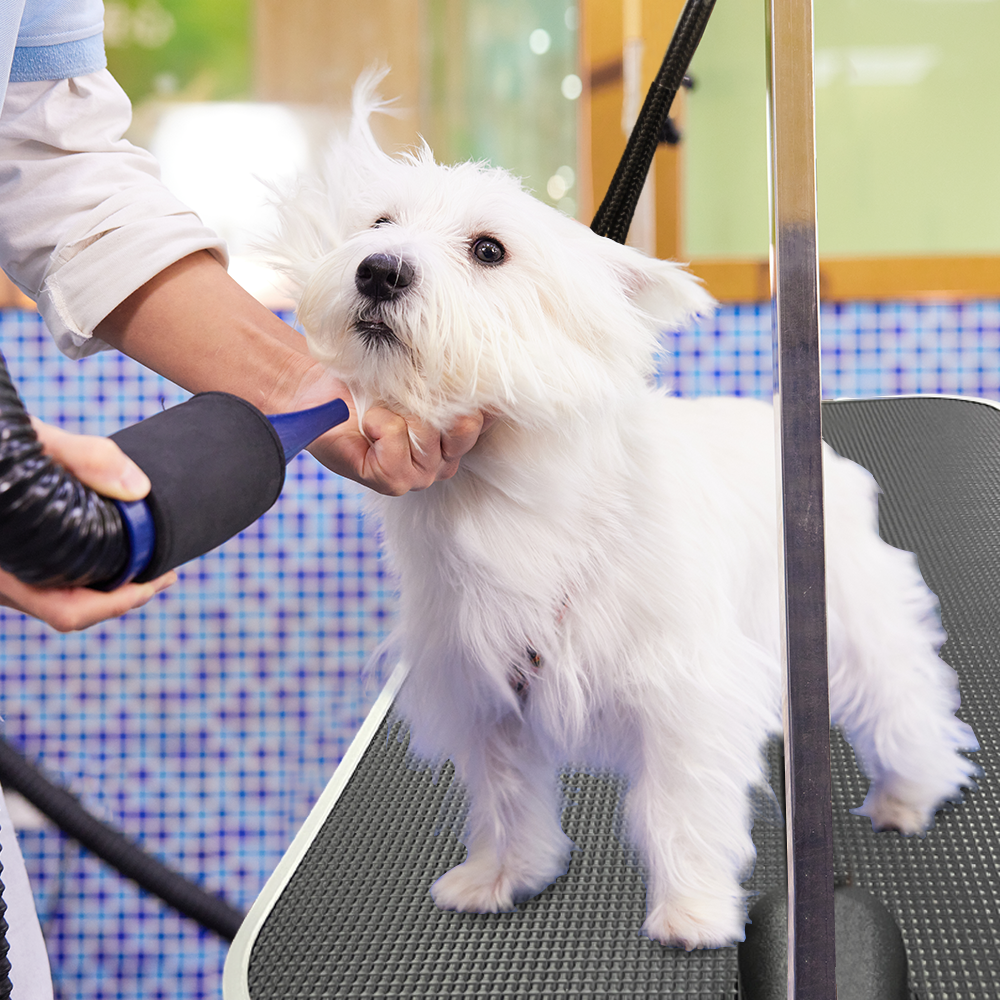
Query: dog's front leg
x=515 y=841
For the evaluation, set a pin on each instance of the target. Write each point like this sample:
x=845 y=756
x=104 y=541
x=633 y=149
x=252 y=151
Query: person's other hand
x=395 y=455
x=100 y=464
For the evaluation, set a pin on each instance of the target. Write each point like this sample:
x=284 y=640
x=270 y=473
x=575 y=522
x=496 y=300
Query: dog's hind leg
x=515 y=842
x=895 y=701
x=889 y=692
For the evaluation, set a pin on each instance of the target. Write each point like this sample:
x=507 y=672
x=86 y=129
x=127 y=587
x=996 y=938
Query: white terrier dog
x=598 y=583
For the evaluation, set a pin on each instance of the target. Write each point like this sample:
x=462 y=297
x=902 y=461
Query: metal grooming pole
x=795 y=326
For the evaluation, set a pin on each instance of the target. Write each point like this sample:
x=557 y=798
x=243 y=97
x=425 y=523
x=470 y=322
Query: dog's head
x=438 y=290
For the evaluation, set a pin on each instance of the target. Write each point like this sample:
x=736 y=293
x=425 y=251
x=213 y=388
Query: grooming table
x=347 y=912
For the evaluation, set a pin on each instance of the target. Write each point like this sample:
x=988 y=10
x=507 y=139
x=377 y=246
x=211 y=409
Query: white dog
x=598 y=583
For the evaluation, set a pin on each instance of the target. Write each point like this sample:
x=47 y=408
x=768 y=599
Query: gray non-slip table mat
x=350 y=914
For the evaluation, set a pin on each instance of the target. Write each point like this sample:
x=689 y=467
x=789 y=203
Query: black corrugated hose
x=53 y=529
x=5 y=984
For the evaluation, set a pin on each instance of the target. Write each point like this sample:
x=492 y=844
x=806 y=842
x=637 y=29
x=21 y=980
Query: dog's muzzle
x=380 y=278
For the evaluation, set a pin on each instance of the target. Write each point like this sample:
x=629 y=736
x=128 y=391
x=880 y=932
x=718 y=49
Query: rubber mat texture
x=356 y=919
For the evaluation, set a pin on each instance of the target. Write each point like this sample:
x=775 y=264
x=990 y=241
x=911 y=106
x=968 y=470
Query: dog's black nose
x=381 y=276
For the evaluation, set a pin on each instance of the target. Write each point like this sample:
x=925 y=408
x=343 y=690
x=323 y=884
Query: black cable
x=615 y=214
x=65 y=810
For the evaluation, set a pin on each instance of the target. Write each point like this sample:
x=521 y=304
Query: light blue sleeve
x=59 y=39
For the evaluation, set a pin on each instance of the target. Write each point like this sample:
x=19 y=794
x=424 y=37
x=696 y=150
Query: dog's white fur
x=627 y=538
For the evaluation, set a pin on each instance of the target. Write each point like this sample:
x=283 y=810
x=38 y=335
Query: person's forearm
x=195 y=325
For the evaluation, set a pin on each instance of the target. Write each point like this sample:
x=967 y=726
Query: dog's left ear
x=664 y=289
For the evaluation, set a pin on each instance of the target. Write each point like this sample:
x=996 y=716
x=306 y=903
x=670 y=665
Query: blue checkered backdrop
x=206 y=724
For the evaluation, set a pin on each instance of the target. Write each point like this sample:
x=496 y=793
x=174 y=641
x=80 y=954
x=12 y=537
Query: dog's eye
x=381 y=222
x=488 y=250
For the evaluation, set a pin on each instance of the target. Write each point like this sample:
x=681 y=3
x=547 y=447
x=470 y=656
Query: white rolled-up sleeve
x=84 y=217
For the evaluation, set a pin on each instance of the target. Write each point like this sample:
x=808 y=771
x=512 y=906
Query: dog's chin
x=376 y=335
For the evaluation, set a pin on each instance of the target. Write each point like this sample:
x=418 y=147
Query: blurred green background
x=194 y=49
x=907 y=108
x=907 y=129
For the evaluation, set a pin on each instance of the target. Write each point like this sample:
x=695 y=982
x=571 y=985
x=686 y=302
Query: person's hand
x=96 y=461
x=99 y=463
x=393 y=455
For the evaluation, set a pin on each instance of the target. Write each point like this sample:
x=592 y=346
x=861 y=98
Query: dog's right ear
x=670 y=294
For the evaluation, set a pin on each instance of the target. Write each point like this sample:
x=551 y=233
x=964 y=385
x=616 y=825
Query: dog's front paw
x=691 y=922
x=473 y=888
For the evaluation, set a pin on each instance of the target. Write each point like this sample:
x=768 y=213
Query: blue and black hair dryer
x=216 y=463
